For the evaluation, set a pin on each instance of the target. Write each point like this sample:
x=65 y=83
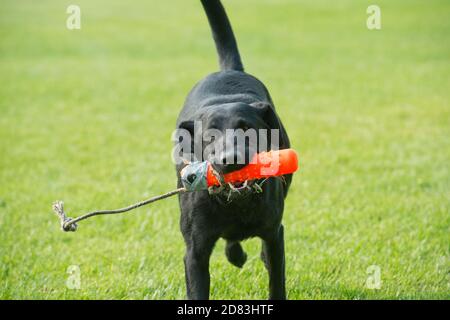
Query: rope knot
x=58 y=207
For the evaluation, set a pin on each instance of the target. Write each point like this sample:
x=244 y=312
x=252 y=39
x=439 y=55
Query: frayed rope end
x=58 y=207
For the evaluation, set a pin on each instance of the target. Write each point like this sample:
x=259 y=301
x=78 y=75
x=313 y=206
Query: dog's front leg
x=273 y=255
x=196 y=262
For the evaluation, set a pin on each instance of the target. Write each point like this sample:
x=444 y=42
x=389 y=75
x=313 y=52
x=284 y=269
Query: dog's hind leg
x=273 y=256
x=235 y=254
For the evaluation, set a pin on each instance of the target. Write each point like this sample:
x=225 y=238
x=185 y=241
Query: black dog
x=231 y=99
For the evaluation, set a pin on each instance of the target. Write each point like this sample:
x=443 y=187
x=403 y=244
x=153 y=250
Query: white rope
x=69 y=224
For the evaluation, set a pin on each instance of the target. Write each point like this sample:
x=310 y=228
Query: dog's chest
x=243 y=222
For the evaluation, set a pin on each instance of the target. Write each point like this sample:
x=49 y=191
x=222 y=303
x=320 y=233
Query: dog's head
x=229 y=135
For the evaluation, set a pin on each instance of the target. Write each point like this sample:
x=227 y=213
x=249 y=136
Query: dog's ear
x=269 y=116
x=267 y=113
x=187 y=125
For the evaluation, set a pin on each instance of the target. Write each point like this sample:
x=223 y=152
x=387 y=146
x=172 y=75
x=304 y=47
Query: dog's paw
x=235 y=254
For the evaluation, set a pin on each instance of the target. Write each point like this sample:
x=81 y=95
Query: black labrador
x=231 y=99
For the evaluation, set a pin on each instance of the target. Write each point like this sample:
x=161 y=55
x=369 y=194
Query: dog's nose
x=229 y=162
x=229 y=159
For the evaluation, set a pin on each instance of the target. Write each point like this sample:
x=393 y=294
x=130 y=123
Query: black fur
x=230 y=99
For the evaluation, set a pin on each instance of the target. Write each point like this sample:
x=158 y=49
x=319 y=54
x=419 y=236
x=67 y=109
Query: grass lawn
x=86 y=116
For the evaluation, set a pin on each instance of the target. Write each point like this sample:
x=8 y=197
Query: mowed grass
x=87 y=116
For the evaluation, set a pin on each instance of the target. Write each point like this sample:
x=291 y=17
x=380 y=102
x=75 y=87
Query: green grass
x=86 y=116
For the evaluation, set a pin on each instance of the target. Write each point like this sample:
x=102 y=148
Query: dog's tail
x=229 y=58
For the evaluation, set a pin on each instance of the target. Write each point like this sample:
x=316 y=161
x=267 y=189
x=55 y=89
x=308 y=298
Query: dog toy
x=200 y=175
x=197 y=176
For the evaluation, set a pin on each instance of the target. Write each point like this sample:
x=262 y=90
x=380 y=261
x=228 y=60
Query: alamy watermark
x=373 y=280
x=73 y=21
x=234 y=146
x=73 y=281
x=373 y=21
